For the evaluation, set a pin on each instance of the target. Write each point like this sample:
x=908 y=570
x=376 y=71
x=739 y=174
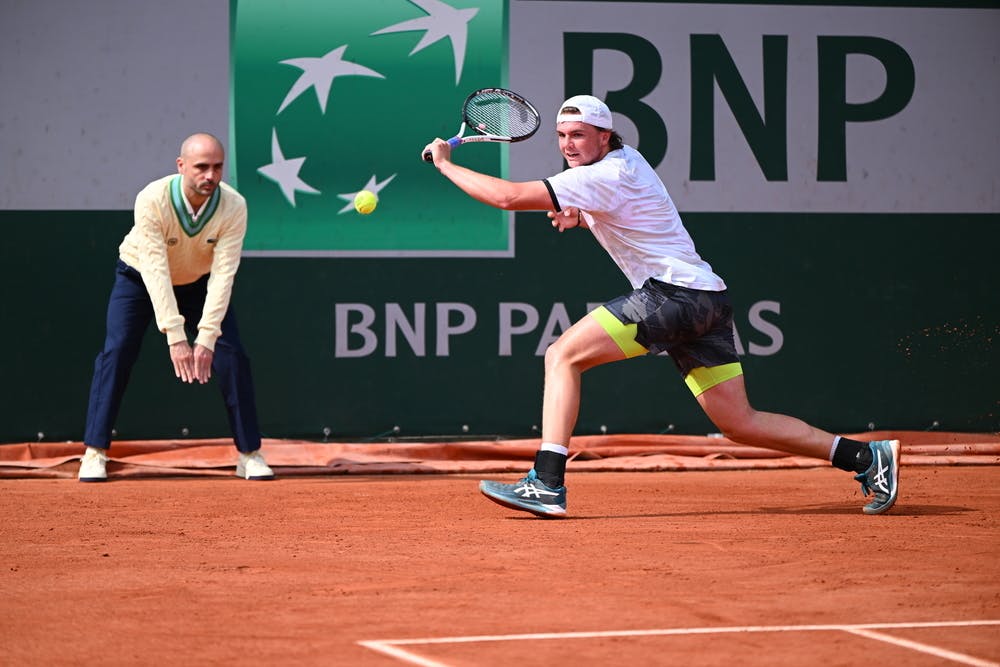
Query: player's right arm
x=490 y=190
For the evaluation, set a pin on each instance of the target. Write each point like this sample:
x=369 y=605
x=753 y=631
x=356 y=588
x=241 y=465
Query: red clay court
x=689 y=551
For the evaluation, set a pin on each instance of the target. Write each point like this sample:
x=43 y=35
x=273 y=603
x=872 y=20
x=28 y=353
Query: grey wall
x=97 y=96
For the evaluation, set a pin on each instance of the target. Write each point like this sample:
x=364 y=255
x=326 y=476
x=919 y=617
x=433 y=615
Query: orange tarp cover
x=621 y=452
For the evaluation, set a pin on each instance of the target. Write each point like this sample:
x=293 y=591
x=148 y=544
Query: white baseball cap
x=592 y=111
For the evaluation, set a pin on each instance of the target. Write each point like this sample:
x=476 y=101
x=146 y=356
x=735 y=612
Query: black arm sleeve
x=552 y=193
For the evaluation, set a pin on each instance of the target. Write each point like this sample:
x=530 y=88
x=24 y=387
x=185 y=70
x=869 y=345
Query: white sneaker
x=93 y=466
x=253 y=466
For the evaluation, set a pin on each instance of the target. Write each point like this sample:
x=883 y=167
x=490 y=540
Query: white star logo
x=319 y=73
x=372 y=186
x=443 y=21
x=285 y=172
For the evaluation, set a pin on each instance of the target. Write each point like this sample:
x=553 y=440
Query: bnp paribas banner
x=333 y=97
x=786 y=107
x=742 y=107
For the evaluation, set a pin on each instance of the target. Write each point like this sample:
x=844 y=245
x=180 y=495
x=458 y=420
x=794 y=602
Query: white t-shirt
x=632 y=216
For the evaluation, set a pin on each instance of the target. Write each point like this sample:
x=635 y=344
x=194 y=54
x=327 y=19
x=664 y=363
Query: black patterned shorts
x=695 y=327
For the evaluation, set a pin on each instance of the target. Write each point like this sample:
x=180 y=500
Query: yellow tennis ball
x=365 y=202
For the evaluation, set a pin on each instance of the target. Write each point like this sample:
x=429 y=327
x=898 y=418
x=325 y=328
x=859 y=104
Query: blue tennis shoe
x=529 y=494
x=882 y=477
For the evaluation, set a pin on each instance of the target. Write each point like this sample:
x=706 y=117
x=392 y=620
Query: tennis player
x=177 y=265
x=677 y=305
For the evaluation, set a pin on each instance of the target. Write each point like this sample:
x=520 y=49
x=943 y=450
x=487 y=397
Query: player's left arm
x=568 y=218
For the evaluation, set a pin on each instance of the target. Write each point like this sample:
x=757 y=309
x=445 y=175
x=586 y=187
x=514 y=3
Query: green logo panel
x=329 y=98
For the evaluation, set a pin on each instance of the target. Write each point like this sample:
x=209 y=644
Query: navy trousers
x=130 y=313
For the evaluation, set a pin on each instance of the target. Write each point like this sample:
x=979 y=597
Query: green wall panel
x=884 y=320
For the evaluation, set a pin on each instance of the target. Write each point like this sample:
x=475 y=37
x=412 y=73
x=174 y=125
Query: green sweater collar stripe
x=180 y=207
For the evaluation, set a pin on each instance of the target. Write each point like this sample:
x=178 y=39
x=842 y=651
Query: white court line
x=391 y=648
x=388 y=649
x=923 y=648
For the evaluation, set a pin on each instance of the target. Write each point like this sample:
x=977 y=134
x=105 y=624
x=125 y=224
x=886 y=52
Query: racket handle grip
x=454 y=142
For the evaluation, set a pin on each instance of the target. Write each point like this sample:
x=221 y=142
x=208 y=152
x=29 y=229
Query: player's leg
x=583 y=346
x=128 y=317
x=598 y=338
x=727 y=405
x=704 y=350
x=875 y=464
x=711 y=369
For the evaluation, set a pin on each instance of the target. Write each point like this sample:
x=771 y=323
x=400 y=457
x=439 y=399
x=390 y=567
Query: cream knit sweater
x=167 y=247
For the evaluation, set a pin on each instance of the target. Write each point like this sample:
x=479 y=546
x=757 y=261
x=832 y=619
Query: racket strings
x=493 y=113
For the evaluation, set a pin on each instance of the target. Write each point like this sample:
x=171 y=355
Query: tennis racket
x=495 y=114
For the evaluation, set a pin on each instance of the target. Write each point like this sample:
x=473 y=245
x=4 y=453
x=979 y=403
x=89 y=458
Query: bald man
x=177 y=265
